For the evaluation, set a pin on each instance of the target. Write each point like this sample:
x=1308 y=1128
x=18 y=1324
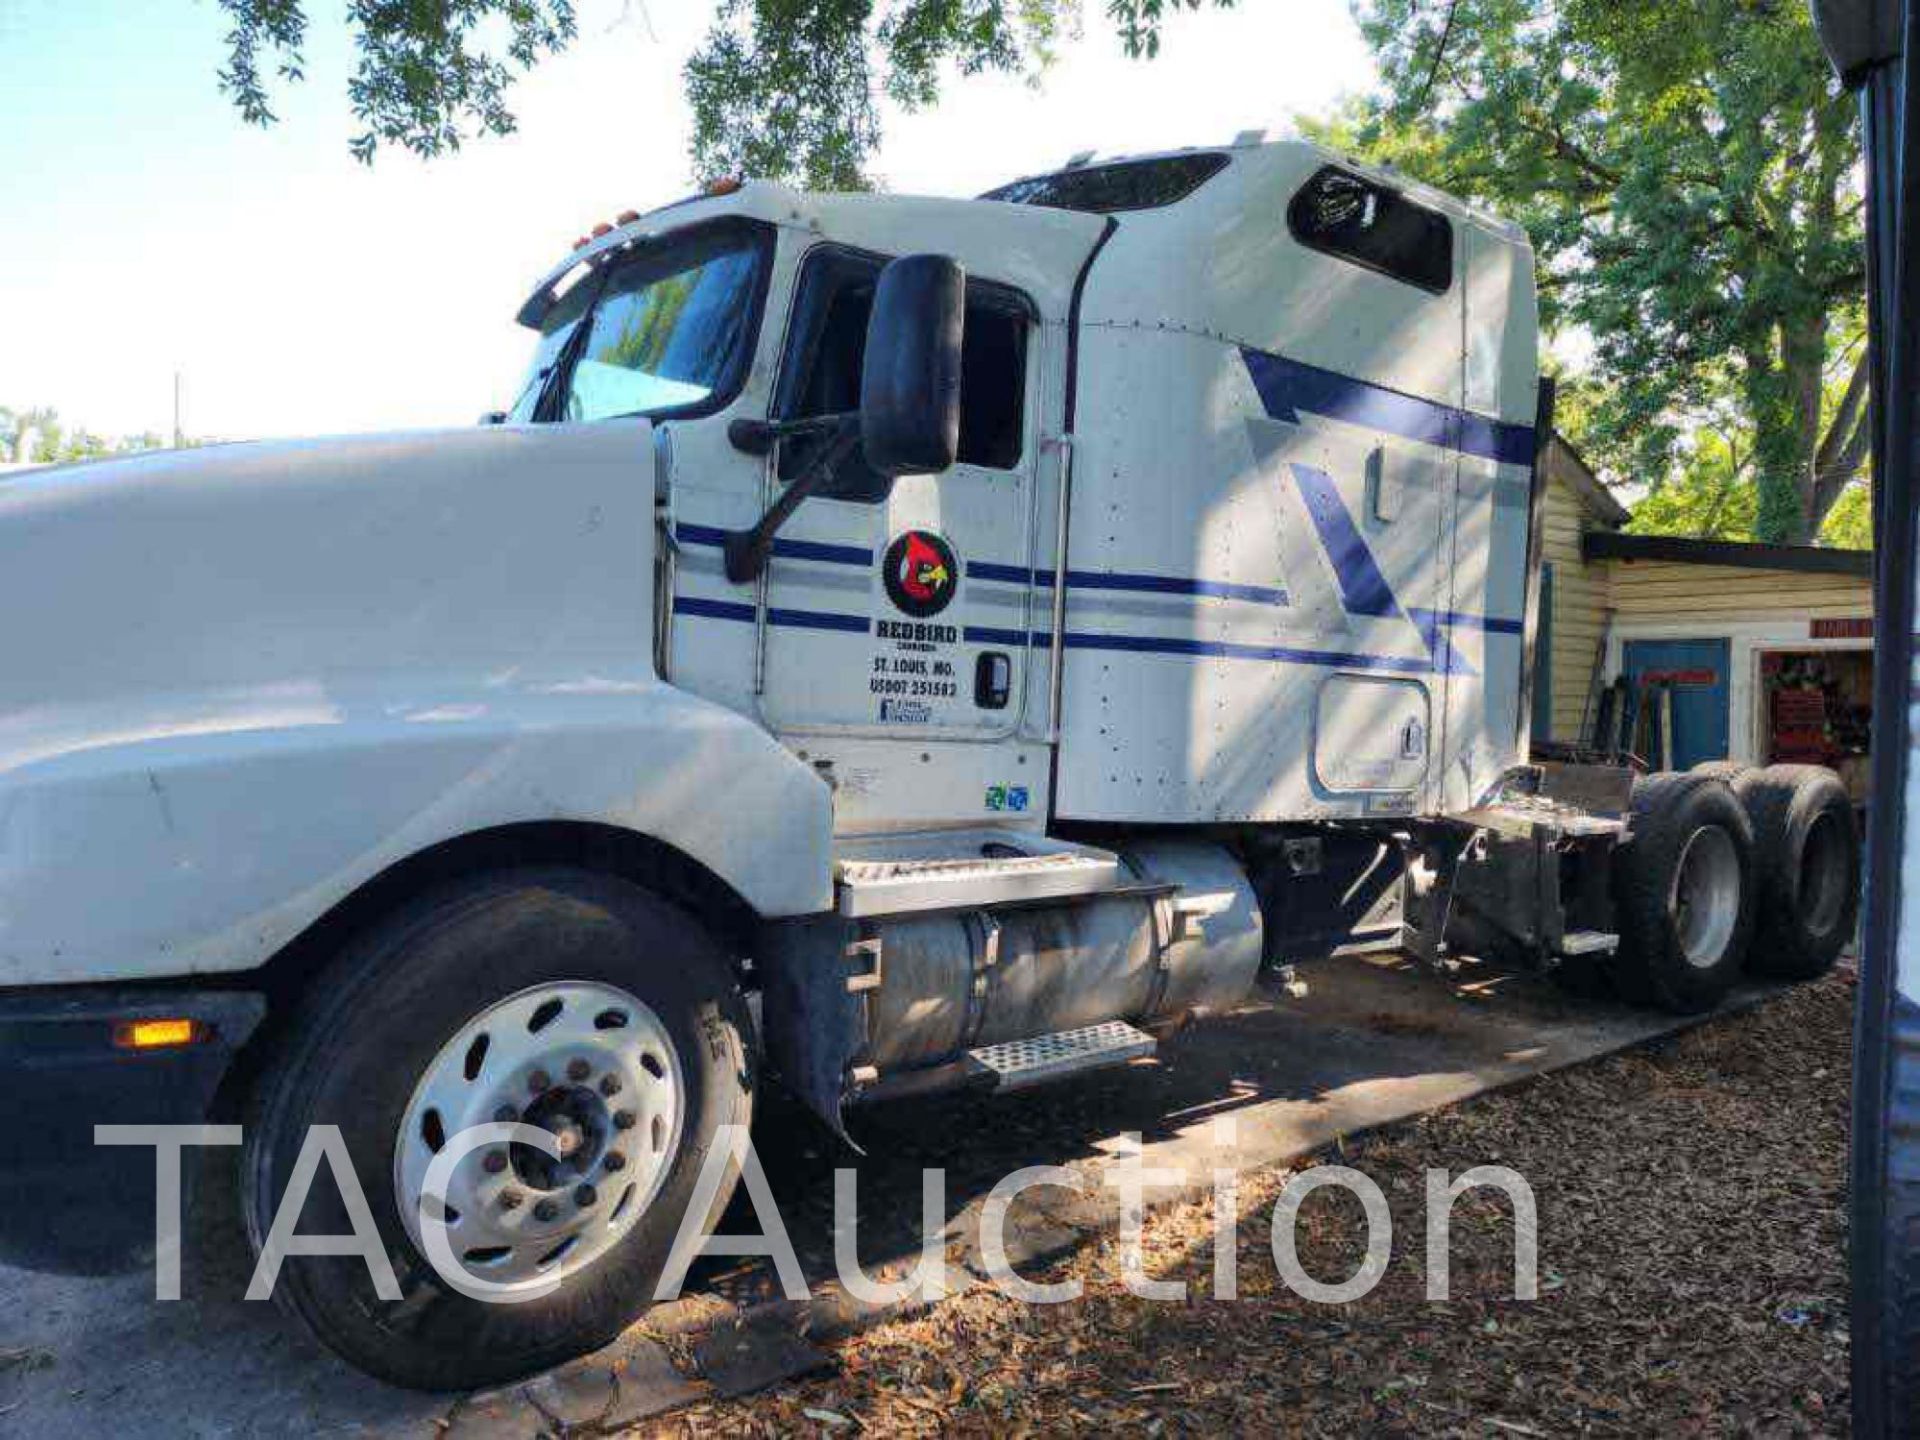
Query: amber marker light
x=170 y=1033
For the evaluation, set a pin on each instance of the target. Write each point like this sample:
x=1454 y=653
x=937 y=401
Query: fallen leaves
x=1692 y=1267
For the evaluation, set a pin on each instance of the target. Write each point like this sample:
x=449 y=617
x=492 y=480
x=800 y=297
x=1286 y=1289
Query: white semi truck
x=888 y=645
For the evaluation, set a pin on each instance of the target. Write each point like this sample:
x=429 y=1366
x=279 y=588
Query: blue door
x=1695 y=673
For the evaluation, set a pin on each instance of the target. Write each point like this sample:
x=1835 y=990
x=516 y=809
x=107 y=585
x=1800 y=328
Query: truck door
x=905 y=612
x=899 y=638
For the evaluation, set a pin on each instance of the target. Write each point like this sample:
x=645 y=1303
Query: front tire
x=445 y=1016
x=1683 y=893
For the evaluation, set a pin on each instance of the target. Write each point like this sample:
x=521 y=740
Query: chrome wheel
x=591 y=1067
x=1704 y=901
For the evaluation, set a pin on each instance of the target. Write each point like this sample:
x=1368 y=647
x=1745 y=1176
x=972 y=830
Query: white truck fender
x=204 y=874
x=242 y=682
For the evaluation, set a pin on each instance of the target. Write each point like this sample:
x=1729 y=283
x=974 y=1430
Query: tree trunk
x=1843 y=450
x=1779 y=456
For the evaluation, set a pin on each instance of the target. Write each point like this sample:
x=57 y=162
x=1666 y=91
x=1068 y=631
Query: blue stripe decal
x=1446 y=659
x=786 y=549
x=1286 y=387
x=1141 y=584
x=1215 y=649
x=712 y=609
x=1007 y=574
x=1171 y=585
x=1443 y=659
x=1224 y=650
x=790 y=619
x=1363 y=589
x=1459 y=620
x=989 y=635
x=819 y=620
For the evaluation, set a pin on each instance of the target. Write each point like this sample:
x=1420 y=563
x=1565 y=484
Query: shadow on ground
x=1370 y=1042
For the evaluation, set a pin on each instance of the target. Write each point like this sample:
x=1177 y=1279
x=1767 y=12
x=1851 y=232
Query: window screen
x=1339 y=213
x=1127 y=185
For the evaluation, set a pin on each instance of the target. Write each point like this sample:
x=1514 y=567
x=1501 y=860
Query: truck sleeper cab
x=977 y=634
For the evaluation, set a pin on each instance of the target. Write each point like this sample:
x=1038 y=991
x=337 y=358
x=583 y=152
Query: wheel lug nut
x=511 y=1199
x=624 y=1120
x=586 y=1197
x=578 y=1070
x=546 y=1211
x=609 y=1085
x=495 y=1161
x=615 y=1162
x=538 y=1081
x=506 y=1115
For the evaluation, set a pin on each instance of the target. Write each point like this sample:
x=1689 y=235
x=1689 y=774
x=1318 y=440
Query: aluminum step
x=1588 y=942
x=1017 y=1064
x=901 y=875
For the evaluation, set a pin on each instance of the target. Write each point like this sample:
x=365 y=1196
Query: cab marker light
x=601 y=229
x=626 y=217
x=170 y=1033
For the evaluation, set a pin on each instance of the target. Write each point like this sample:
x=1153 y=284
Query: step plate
x=1588 y=942
x=1019 y=1063
x=898 y=887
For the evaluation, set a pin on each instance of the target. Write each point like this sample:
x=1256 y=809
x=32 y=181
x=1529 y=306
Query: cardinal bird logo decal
x=920 y=571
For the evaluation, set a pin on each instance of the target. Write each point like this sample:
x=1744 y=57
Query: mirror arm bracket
x=746 y=551
x=758 y=437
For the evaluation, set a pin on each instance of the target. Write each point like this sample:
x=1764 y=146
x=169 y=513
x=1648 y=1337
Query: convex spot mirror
x=910 y=382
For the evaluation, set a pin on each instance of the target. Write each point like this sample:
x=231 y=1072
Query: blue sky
x=145 y=229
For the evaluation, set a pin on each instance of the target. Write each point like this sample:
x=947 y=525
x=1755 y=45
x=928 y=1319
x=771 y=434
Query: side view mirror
x=1858 y=34
x=910 y=382
x=909 y=417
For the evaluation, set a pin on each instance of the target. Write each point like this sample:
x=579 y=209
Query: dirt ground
x=1692 y=1275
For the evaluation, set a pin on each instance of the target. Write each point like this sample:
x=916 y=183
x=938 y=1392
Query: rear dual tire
x=1683 y=893
x=1806 y=865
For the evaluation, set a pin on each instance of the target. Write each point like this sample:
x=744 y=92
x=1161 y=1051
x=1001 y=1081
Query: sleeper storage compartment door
x=1372 y=733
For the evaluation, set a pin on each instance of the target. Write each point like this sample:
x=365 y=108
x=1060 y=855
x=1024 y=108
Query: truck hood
x=246 y=586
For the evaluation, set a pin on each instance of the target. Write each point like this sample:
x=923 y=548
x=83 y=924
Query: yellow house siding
x=1579 y=608
x=1608 y=598
x=1658 y=591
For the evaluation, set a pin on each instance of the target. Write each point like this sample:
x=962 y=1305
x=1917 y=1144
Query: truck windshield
x=666 y=330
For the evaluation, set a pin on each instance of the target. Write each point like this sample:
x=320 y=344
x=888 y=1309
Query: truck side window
x=827 y=346
x=1339 y=213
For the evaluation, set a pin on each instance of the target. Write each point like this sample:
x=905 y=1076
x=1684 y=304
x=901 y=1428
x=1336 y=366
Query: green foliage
x=788 y=89
x=35 y=435
x=1849 y=524
x=1711 y=496
x=780 y=89
x=424 y=75
x=1689 y=174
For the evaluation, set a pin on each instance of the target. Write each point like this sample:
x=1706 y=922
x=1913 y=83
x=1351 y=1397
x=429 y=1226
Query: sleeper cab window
x=826 y=346
x=1107 y=189
x=1340 y=214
